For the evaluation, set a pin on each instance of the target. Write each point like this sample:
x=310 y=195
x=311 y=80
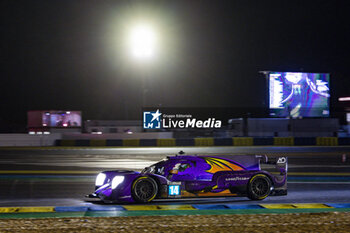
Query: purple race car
x=195 y=176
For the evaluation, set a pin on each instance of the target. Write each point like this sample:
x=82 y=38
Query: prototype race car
x=194 y=176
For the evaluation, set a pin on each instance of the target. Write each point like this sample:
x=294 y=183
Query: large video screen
x=296 y=95
x=61 y=119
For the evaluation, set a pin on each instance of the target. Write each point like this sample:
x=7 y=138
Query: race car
x=184 y=176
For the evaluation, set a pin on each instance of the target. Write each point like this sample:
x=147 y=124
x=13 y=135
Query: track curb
x=154 y=210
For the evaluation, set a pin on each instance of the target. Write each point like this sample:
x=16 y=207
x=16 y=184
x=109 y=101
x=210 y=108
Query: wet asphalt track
x=60 y=188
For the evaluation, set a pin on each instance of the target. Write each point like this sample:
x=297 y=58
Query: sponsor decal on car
x=221 y=165
x=236 y=178
x=282 y=160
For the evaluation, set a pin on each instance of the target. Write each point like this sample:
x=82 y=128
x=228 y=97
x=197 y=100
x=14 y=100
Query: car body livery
x=195 y=176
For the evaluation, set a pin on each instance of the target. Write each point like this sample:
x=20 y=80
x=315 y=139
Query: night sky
x=71 y=55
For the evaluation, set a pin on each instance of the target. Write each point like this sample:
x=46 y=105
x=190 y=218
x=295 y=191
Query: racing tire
x=259 y=187
x=144 y=189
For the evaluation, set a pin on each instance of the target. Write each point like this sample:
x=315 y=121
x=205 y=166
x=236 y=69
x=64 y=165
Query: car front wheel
x=144 y=189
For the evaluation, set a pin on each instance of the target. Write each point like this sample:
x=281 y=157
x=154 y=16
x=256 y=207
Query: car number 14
x=174 y=190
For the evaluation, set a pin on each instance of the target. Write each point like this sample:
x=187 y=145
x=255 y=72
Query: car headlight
x=116 y=181
x=100 y=179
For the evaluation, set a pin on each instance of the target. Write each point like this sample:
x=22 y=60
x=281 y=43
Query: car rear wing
x=281 y=163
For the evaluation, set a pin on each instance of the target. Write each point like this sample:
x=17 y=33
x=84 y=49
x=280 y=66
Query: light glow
x=100 y=179
x=344 y=99
x=96 y=132
x=142 y=42
x=116 y=181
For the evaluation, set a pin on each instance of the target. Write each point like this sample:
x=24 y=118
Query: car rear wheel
x=144 y=189
x=259 y=187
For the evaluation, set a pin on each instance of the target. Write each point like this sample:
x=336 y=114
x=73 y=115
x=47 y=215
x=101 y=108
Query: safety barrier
x=204 y=141
x=305 y=141
x=327 y=141
x=235 y=141
x=148 y=142
x=184 y=142
x=242 y=141
x=343 y=141
x=97 y=142
x=131 y=142
x=82 y=142
x=114 y=142
x=283 y=141
x=166 y=142
x=66 y=142
x=265 y=141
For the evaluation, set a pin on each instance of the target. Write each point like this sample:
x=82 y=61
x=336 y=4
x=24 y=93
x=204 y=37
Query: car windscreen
x=157 y=168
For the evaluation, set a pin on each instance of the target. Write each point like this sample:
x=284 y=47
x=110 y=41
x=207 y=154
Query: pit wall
x=236 y=141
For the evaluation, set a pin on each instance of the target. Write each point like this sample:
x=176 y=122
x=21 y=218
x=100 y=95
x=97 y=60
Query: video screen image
x=62 y=119
x=296 y=95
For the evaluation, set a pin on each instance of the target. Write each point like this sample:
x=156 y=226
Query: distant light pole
x=142 y=42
